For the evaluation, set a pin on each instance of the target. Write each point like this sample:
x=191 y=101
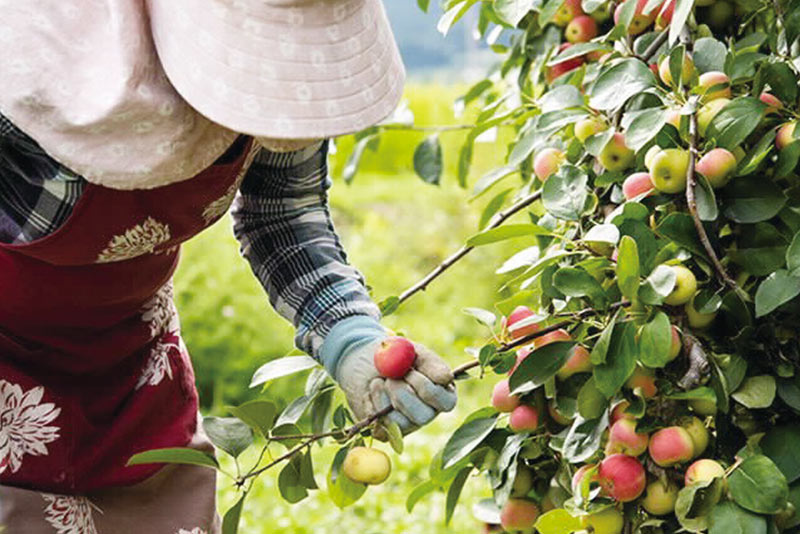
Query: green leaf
x=602 y=233
x=728 y=518
x=564 y=194
x=679 y=17
x=591 y=401
x=695 y=503
x=466 y=438
x=492 y=177
x=645 y=127
x=542 y=365
x=756 y=392
x=600 y=349
x=230 y=523
x=655 y=341
x=557 y=521
x=575 y=282
x=176 y=455
x=428 y=160
x=501 y=233
x=306 y=469
x=780 y=446
x=737 y=120
x=454 y=492
x=511 y=12
x=492 y=207
x=758 y=485
x=389 y=305
x=395 y=436
x=584 y=437
x=623 y=80
x=561 y=97
x=781 y=80
x=777 y=289
x=679 y=227
x=789 y=392
x=229 y=434
x=258 y=414
x=420 y=491
x=354 y=160
x=628 y=267
x=760 y=249
x=709 y=55
x=707 y=208
x=658 y=285
x=787 y=161
x=576 y=50
x=620 y=360
x=757 y=154
x=289 y=484
x=702 y=393
x=793 y=254
x=282 y=367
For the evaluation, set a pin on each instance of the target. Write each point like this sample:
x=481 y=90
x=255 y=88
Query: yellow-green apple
x=714 y=84
x=664 y=16
x=517 y=315
x=697 y=431
x=622 y=477
x=785 y=135
x=524 y=418
x=685 y=286
x=675 y=346
x=551 y=337
x=568 y=11
x=703 y=471
x=618 y=412
x=519 y=514
x=707 y=113
x=616 y=156
x=660 y=497
x=650 y=155
x=585 y=128
x=640 y=21
x=366 y=465
x=668 y=170
x=671 y=446
x=623 y=438
x=547 y=162
x=609 y=521
x=720 y=15
x=718 y=166
x=703 y=407
x=579 y=361
x=696 y=319
x=773 y=102
x=563 y=67
x=581 y=29
x=556 y=416
x=674 y=118
x=644 y=379
x=502 y=399
x=636 y=184
x=687 y=69
x=395 y=357
x=523 y=482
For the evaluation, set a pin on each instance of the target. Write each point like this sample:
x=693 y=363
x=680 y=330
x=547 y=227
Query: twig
x=650 y=51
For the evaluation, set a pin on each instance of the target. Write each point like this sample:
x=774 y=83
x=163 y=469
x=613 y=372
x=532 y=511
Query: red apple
x=703 y=471
x=580 y=474
x=636 y=184
x=578 y=362
x=563 y=67
x=670 y=446
x=718 y=166
x=547 y=162
x=785 y=135
x=519 y=314
x=581 y=29
x=645 y=379
x=524 y=418
x=622 y=477
x=502 y=399
x=395 y=357
x=665 y=14
x=773 y=103
x=618 y=412
x=717 y=79
x=676 y=345
x=519 y=514
x=640 y=21
x=568 y=11
x=551 y=337
x=623 y=439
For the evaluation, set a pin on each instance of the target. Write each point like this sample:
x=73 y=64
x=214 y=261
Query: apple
x=618 y=412
x=675 y=347
x=563 y=67
x=772 y=101
x=517 y=315
x=703 y=471
x=707 y=113
x=395 y=357
x=645 y=379
x=557 y=416
x=581 y=29
x=519 y=514
x=718 y=166
x=698 y=432
x=685 y=286
x=687 y=69
x=521 y=355
x=711 y=79
x=616 y=156
x=609 y=521
x=720 y=15
x=524 y=418
x=578 y=362
x=696 y=319
x=622 y=477
x=602 y=13
x=665 y=15
x=703 y=407
x=640 y=21
x=660 y=497
x=670 y=446
x=502 y=400
x=674 y=118
x=367 y=465
x=785 y=135
x=568 y=11
x=585 y=128
x=636 y=184
x=551 y=337
x=547 y=162
x=580 y=474
x=623 y=438
x=523 y=482
x=668 y=170
x=650 y=155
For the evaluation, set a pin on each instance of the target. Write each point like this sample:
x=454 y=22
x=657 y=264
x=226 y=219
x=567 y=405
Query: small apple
x=602 y=13
x=619 y=412
x=707 y=113
x=581 y=29
x=616 y=156
x=580 y=474
x=674 y=118
x=559 y=69
x=367 y=465
x=622 y=477
x=698 y=432
x=711 y=79
x=609 y=521
x=557 y=417
x=523 y=482
x=685 y=286
x=696 y=319
x=703 y=471
x=718 y=166
x=687 y=69
x=637 y=184
x=518 y=314
x=568 y=11
x=502 y=400
x=676 y=345
x=773 y=103
x=703 y=407
x=585 y=128
x=644 y=379
x=660 y=497
x=785 y=135
x=623 y=438
x=521 y=355
x=395 y=357
x=524 y=418
x=720 y=15
x=670 y=446
x=578 y=362
x=668 y=170
x=665 y=15
x=519 y=514
x=640 y=21
x=650 y=155
x=551 y=337
x=547 y=162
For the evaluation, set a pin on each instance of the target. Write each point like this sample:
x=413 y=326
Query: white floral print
x=25 y=427
x=141 y=239
x=160 y=312
x=161 y=317
x=218 y=207
x=69 y=515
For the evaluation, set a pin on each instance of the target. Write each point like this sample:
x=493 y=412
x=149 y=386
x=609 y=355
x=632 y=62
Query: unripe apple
x=618 y=412
x=523 y=482
x=547 y=162
x=696 y=319
x=366 y=465
x=585 y=128
x=650 y=155
x=785 y=135
x=581 y=29
x=395 y=357
x=551 y=337
x=623 y=438
x=660 y=497
x=616 y=156
x=773 y=103
x=609 y=521
x=718 y=166
x=668 y=170
x=665 y=15
x=711 y=79
x=568 y=11
x=707 y=113
x=703 y=471
x=524 y=418
x=580 y=474
x=645 y=379
x=520 y=313
x=670 y=446
x=685 y=286
x=636 y=184
x=622 y=477
x=557 y=416
x=720 y=15
x=640 y=21
x=519 y=514
x=698 y=432
x=687 y=69
x=602 y=13
x=578 y=362
x=502 y=400
x=563 y=67
x=675 y=347
x=703 y=407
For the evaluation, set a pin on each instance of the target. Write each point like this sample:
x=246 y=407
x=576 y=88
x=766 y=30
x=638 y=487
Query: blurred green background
x=395 y=228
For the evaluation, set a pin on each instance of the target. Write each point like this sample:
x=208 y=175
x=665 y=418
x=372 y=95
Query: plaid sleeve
x=283 y=224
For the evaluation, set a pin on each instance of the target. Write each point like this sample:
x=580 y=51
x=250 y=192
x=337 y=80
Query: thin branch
x=651 y=50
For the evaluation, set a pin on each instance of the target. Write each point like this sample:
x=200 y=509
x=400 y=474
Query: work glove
x=348 y=354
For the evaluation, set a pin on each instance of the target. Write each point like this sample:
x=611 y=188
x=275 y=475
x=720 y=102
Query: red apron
x=92 y=365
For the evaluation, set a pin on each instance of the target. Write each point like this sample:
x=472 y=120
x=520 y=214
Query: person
x=126 y=128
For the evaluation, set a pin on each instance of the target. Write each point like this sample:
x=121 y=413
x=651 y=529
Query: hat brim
x=286 y=70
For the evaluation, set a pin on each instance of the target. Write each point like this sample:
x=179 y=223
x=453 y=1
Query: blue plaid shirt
x=280 y=215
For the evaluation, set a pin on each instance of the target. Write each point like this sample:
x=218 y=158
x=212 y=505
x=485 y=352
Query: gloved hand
x=348 y=355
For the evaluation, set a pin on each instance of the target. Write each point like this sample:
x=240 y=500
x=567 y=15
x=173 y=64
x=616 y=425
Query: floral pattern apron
x=92 y=365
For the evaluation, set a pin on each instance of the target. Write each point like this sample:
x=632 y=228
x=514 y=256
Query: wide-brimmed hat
x=281 y=68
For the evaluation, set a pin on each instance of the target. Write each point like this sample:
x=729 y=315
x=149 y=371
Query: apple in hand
x=524 y=418
x=623 y=438
x=502 y=400
x=687 y=69
x=568 y=11
x=773 y=102
x=660 y=497
x=785 y=135
x=668 y=170
x=366 y=465
x=395 y=357
x=707 y=113
x=718 y=166
x=585 y=128
x=685 y=286
x=622 y=477
x=616 y=156
x=671 y=446
x=609 y=521
x=547 y=162
x=581 y=29
x=636 y=184
x=563 y=67
x=703 y=471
